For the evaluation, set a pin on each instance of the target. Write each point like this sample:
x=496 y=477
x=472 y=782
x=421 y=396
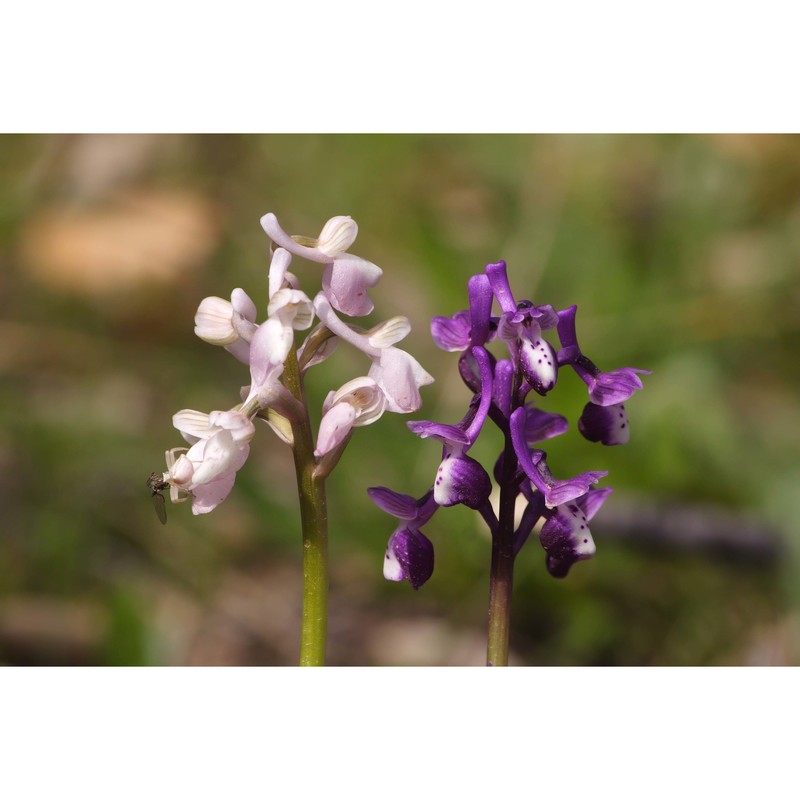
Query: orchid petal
x=402 y=506
x=345 y=283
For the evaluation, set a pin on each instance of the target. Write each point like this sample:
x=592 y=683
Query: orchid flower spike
x=346 y=277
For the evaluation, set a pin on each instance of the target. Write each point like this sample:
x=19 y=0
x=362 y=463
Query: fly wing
x=160 y=507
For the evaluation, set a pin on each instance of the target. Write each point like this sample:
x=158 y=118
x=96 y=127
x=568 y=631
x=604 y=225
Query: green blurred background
x=681 y=252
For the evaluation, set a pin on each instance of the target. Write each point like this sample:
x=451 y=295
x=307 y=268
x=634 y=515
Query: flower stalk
x=314 y=524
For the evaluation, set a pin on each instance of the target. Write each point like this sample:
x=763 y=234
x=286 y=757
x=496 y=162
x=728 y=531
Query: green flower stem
x=314 y=521
x=501 y=576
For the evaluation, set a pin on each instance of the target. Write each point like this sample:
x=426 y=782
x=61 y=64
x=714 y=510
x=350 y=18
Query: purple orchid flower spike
x=500 y=387
x=409 y=554
x=461 y=479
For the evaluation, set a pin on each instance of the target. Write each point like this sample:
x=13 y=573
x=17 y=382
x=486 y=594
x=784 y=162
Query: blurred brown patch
x=139 y=236
x=39 y=630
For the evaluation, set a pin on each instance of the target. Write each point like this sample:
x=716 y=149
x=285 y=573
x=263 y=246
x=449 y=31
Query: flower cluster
x=220 y=441
x=500 y=392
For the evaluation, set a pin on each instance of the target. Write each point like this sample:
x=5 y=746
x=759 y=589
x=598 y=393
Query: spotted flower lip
x=346 y=277
x=409 y=554
x=409 y=557
x=605 y=424
x=566 y=537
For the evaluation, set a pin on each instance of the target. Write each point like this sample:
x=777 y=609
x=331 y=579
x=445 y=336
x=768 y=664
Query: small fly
x=157 y=484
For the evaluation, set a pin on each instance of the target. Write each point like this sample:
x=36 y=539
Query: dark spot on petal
x=623 y=425
x=585 y=541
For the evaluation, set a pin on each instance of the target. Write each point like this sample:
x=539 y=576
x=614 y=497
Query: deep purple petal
x=409 y=556
x=539 y=425
x=605 y=424
x=609 y=388
x=485 y=368
x=526 y=460
x=498 y=278
x=461 y=479
x=591 y=502
x=452 y=333
x=480 y=308
x=560 y=492
x=402 y=506
x=566 y=328
x=449 y=435
x=503 y=380
x=546 y=316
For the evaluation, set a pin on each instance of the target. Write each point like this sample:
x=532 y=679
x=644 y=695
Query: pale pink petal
x=269 y=223
x=390 y=332
x=220 y=455
x=240 y=350
x=277 y=270
x=345 y=284
x=400 y=375
x=193 y=425
x=242 y=304
x=213 y=321
x=334 y=427
x=337 y=235
x=208 y=496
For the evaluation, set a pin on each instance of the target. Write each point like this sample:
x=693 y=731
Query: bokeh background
x=681 y=252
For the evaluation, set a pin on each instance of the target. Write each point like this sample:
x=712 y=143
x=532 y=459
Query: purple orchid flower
x=566 y=537
x=461 y=479
x=409 y=554
x=605 y=388
x=520 y=327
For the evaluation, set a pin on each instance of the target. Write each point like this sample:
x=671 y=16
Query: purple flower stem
x=501 y=576
x=314 y=521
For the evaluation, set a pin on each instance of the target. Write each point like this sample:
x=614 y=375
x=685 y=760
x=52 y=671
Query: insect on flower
x=157 y=484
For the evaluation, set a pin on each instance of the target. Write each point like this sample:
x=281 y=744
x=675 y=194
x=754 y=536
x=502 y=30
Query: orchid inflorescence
x=500 y=388
x=220 y=441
